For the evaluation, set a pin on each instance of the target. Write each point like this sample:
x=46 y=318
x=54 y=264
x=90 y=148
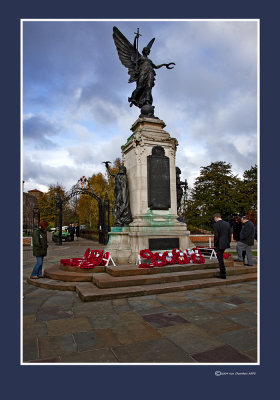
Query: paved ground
x=211 y=325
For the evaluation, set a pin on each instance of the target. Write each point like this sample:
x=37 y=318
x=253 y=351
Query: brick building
x=30 y=207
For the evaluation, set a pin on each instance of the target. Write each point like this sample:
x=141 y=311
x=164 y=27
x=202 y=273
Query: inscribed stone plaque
x=163 y=244
x=158 y=180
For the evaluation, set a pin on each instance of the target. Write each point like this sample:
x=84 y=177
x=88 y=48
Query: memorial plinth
x=149 y=157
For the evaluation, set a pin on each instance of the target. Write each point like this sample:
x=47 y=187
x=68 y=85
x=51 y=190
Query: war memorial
x=147 y=232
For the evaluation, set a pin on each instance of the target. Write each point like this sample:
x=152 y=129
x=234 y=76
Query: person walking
x=40 y=245
x=72 y=231
x=222 y=238
x=236 y=229
x=246 y=242
x=77 y=230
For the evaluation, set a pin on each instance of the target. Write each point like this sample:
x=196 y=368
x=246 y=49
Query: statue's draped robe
x=122 y=211
x=146 y=81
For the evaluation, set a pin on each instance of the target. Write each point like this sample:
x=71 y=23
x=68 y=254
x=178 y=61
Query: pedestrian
x=236 y=229
x=40 y=244
x=77 y=230
x=246 y=242
x=222 y=238
x=72 y=231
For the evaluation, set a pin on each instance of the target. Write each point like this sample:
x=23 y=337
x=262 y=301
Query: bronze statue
x=122 y=211
x=141 y=70
x=180 y=185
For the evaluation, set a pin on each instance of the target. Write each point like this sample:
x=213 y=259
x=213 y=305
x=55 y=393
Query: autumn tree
x=47 y=204
x=102 y=186
x=214 y=191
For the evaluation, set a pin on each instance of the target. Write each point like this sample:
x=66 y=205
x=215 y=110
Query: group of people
x=243 y=234
x=72 y=229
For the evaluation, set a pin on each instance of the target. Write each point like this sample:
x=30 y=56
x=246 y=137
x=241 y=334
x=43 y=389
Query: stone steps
x=104 y=280
x=73 y=274
x=57 y=272
x=162 y=281
x=127 y=270
x=89 y=292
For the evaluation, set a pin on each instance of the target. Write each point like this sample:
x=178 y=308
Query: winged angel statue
x=141 y=70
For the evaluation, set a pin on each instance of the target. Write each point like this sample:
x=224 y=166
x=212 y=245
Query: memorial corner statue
x=122 y=211
x=141 y=70
x=179 y=187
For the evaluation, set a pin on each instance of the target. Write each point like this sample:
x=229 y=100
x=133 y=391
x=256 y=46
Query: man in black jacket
x=222 y=238
x=246 y=242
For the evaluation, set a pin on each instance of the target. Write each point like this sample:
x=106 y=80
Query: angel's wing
x=127 y=53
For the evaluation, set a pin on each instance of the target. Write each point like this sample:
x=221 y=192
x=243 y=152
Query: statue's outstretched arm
x=109 y=171
x=164 y=65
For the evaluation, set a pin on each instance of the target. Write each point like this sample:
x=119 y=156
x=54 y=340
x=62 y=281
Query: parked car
x=65 y=236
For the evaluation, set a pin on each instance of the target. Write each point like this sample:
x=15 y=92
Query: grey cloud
x=38 y=129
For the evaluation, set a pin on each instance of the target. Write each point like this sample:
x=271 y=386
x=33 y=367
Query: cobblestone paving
x=211 y=325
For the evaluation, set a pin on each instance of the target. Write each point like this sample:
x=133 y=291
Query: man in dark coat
x=236 y=229
x=71 y=230
x=246 y=242
x=40 y=245
x=222 y=238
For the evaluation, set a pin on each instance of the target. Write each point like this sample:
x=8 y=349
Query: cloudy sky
x=75 y=91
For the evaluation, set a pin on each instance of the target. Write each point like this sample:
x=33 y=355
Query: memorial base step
x=102 y=286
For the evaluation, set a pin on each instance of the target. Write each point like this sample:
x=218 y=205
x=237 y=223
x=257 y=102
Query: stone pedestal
x=149 y=223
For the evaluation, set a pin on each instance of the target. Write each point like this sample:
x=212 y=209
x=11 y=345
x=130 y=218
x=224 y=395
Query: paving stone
x=193 y=339
x=47 y=360
x=142 y=304
x=223 y=354
x=252 y=307
x=93 y=356
x=154 y=351
x=30 y=349
x=253 y=354
x=153 y=310
x=176 y=302
x=53 y=346
x=217 y=306
x=27 y=289
x=234 y=300
x=103 y=321
x=105 y=338
x=179 y=307
x=93 y=308
x=121 y=305
x=175 y=296
x=245 y=318
x=194 y=296
x=198 y=315
x=32 y=328
x=132 y=328
x=216 y=324
x=85 y=340
x=30 y=307
x=95 y=339
x=63 y=298
x=54 y=312
x=243 y=339
x=160 y=320
x=67 y=326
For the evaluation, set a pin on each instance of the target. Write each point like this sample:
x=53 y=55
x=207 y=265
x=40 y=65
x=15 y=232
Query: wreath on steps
x=148 y=259
x=90 y=259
